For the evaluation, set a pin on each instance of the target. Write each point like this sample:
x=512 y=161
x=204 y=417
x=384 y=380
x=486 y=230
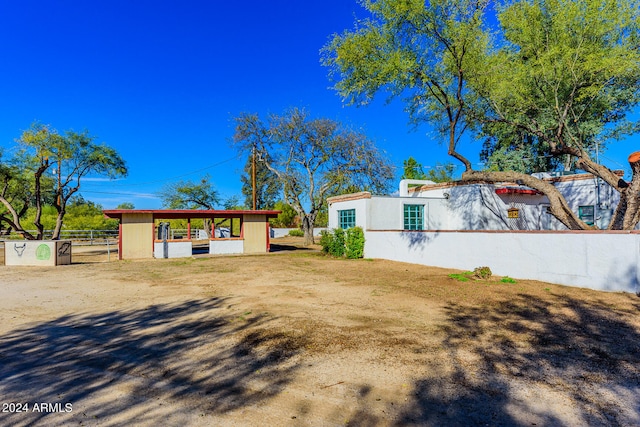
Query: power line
x=143 y=195
x=613 y=161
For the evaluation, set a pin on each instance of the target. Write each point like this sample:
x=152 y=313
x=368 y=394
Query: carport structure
x=138 y=239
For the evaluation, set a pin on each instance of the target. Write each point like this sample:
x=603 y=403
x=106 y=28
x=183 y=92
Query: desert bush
x=482 y=272
x=296 y=233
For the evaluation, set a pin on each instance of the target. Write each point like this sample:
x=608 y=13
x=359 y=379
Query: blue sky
x=161 y=81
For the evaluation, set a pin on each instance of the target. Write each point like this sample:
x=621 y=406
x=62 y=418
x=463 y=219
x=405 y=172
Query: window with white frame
x=414 y=217
x=347 y=218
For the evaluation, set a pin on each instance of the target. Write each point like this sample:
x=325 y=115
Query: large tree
x=312 y=158
x=573 y=72
x=565 y=76
x=74 y=156
x=71 y=156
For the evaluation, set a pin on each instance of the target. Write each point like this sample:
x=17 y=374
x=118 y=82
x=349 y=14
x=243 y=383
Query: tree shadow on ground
x=278 y=247
x=189 y=353
x=513 y=359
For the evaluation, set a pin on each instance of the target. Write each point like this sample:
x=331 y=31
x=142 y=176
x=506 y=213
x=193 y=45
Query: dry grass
x=314 y=340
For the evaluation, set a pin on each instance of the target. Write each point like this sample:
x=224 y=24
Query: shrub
x=479 y=273
x=339 y=243
x=482 y=272
x=354 y=244
x=296 y=233
x=337 y=248
x=326 y=237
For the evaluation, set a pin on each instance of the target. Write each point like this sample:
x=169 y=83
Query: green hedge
x=340 y=243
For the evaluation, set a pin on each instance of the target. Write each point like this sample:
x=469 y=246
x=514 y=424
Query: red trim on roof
x=187 y=213
x=509 y=190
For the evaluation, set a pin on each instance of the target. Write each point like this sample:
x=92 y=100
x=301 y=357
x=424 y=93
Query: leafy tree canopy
x=412 y=169
x=126 y=205
x=441 y=172
x=190 y=195
x=561 y=79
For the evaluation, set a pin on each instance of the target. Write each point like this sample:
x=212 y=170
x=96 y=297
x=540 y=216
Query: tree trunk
x=15 y=219
x=38 y=198
x=627 y=213
x=206 y=224
x=559 y=206
x=58 y=229
x=308 y=221
x=36 y=221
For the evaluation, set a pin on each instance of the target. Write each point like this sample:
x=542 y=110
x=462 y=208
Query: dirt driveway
x=295 y=338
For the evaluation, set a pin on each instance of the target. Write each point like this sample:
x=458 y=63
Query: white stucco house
x=426 y=205
x=505 y=226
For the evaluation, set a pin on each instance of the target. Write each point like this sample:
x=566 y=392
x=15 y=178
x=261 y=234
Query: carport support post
x=189 y=228
x=120 y=240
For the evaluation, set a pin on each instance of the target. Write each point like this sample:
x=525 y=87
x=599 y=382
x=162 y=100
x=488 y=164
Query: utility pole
x=253 y=175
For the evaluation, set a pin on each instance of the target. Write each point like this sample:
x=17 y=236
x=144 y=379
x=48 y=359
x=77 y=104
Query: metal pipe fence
x=78 y=237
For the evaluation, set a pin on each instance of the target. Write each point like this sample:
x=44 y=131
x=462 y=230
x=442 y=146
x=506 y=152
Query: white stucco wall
x=598 y=260
x=276 y=233
x=478 y=207
x=227 y=246
x=387 y=212
x=175 y=249
x=362 y=212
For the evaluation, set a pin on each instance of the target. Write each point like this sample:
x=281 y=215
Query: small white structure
x=226 y=246
x=173 y=248
x=37 y=252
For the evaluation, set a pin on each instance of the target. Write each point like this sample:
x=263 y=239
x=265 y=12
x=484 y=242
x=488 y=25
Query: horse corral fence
x=79 y=237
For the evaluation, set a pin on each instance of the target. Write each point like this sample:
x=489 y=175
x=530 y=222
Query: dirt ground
x=295 y=338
